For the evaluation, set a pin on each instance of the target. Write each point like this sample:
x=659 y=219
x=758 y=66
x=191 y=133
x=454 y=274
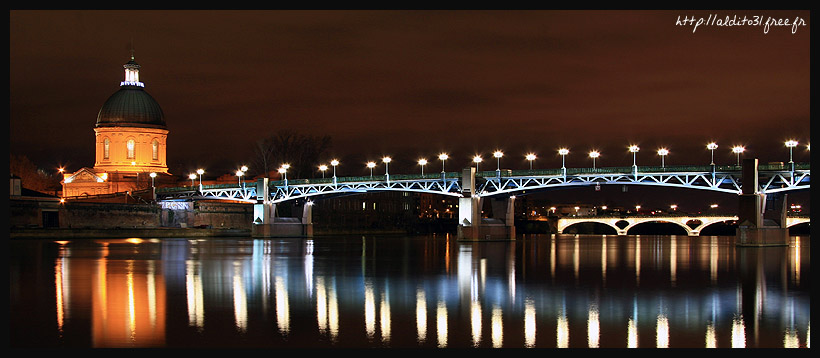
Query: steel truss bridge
x=727 y=179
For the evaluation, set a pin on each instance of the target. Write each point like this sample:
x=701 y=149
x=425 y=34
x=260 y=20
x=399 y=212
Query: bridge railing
x=503 y=173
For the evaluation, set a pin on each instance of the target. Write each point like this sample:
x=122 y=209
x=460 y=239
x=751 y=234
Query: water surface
x=543 y=291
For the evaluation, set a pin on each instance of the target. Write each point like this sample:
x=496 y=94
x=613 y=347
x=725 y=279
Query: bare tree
x=301 y=151
x=31 y=176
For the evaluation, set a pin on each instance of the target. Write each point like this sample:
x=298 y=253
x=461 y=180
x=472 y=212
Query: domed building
x=131 y=138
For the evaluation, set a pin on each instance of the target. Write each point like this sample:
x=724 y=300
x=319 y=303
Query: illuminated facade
x=131 y=138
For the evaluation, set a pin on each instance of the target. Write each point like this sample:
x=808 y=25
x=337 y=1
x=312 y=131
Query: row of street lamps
x=563 y=152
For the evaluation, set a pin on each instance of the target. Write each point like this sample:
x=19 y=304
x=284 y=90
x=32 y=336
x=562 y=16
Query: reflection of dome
x=131 y=106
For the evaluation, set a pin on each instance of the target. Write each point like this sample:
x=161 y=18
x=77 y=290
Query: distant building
x=130 y=141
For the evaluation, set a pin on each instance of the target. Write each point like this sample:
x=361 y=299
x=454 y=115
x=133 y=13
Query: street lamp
x=199 y=173
x=712 y=146
x=334 y=163
x=322 y=168
x=498 y=154
x=371 y=165
x=791 y=144
x=477 y=159
x=284 y=170
x=244 y=168
x=192 y=176
x=563 y=153
x=737 y=150
x=443 y=157
x=594 y=154
x=422 y=162
x=386 y=161
x=152 y=175
x=530 y=157
x=239 y=175
x=634 y=150
x=663 y=152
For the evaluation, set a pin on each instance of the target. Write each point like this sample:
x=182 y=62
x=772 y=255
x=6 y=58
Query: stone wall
x=109 y=215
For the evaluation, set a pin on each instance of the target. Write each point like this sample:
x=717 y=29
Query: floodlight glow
x=738 y=149
x=634 y=148
x=386 y=159
x=239 y=173
x=192 y=176
x=477 y=159
x=371 y=165
x=323 y=167
x=245 y=168
x=563 y=151
x=712 y=146
x=443 y=156
x=200 y=171
x=334 y=162
x=498 y=154
x=663 y=151
x=791 y=143
x=530 y=156
x=594 y=154
x=422 y=161
x=153 y=175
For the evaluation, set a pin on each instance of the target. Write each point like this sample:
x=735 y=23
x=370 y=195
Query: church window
x=155 y=149
x=130 y=146
x=106 y=145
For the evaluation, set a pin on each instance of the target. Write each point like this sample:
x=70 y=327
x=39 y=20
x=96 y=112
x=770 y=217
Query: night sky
x=416 y=83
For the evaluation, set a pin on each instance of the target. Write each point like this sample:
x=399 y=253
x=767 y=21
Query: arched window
x=155 y=149
x=106 y=145
x=130 y=146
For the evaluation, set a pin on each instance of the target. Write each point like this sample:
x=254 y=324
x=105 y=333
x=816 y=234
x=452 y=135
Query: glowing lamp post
x=371 y=165
x=152 y=175
x=322 y=169
x=530 y=157
x=199 y=173
x=563 y=153
x=334 y=163
x=422 y=163
x=791 y=144
x=443 y=157
x=738 y=150
x=477 y=160
x=712 y=146
x=192 y=176
x=386 y=161
x=284 y=172
x=498 y=154
x=634 y=150
x=239 y=175
x=663 y=152
x=594 y=154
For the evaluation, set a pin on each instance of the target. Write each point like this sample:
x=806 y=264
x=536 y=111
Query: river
x=539 y=291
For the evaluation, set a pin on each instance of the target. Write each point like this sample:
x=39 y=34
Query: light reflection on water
x=538 y=291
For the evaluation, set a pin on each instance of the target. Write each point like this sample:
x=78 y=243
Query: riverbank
x=159 y=233
x=74 y=233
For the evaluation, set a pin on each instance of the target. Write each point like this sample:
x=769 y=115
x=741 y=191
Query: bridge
x=501 y=186
x=692 y=224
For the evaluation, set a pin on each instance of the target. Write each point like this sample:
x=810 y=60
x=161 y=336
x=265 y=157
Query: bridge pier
x=753 y=228
x=471 y=226
x=266 y=224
